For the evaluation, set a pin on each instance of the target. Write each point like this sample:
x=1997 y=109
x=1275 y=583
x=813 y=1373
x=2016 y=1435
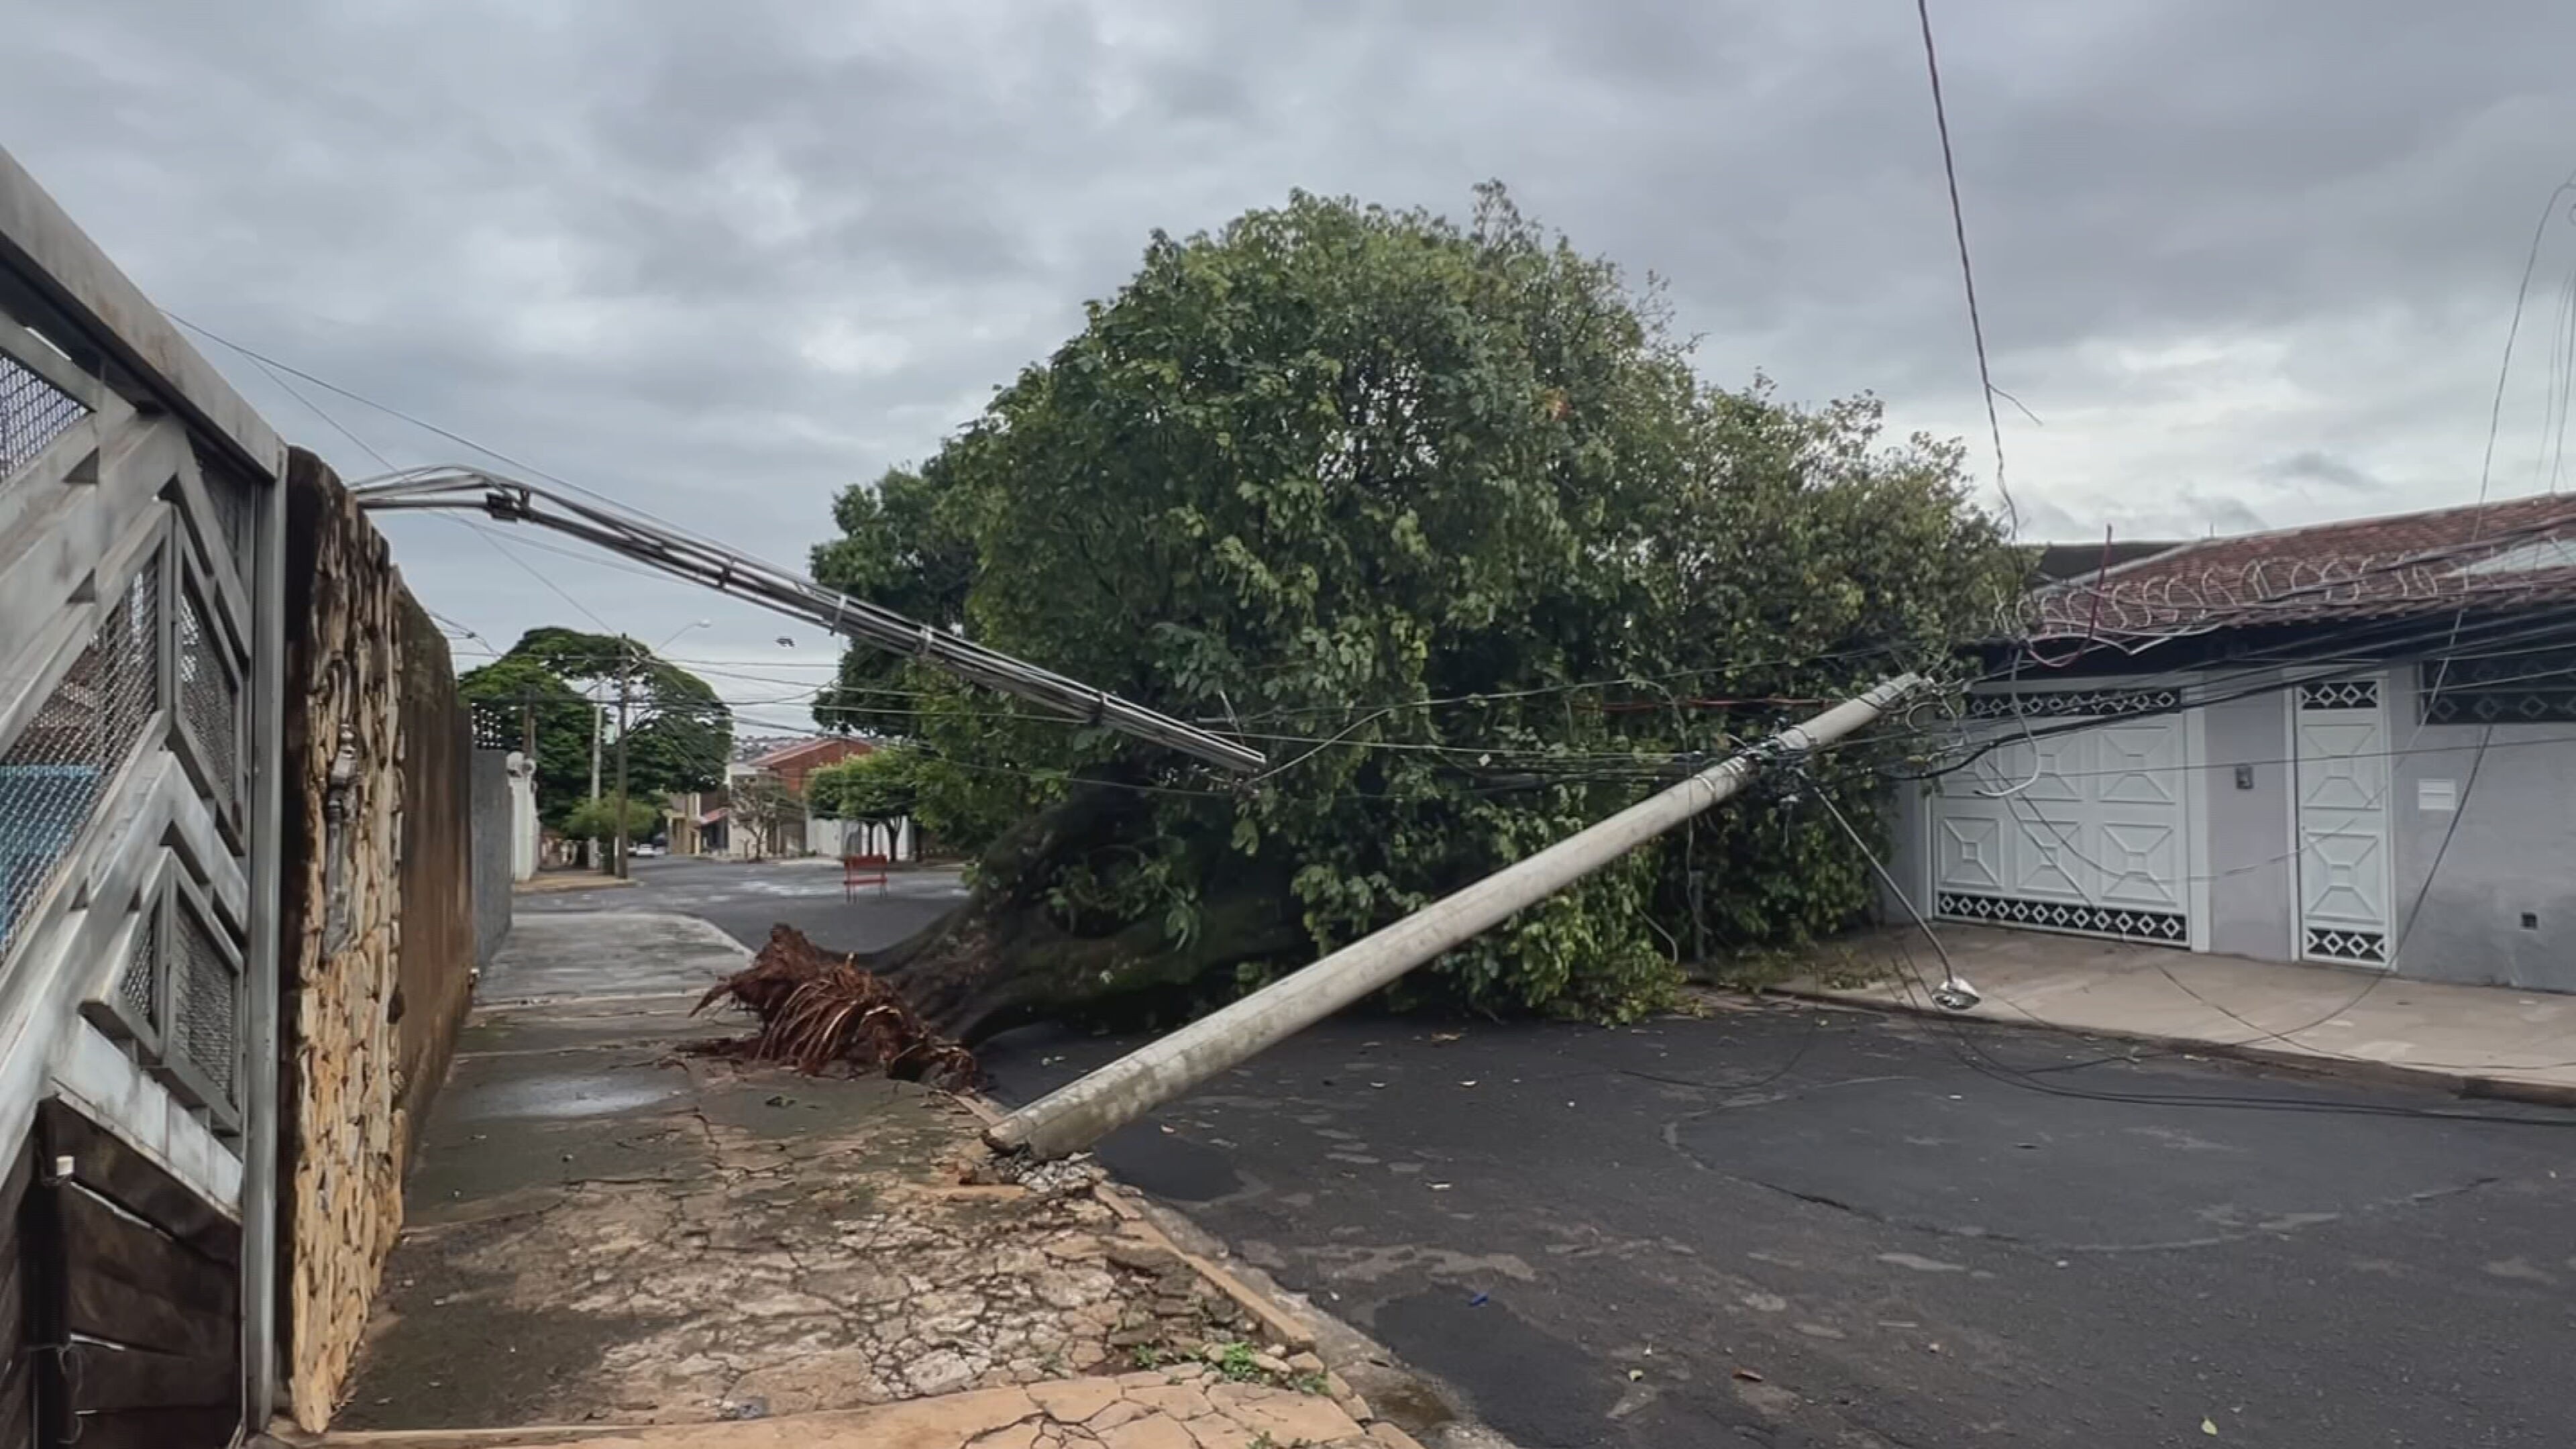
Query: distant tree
x=597 y=819
x=679 y=733
x=899 y=547
x=883 y=784
x=764 y=805
x=880 y=789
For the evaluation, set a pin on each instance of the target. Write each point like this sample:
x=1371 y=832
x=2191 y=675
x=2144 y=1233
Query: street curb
x=1288 y=1320
x=543 y=886
x=2315 y=1064
x=1282 y=1325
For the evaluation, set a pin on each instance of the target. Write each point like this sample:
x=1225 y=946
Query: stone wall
x=378 y=941
x=436 y=892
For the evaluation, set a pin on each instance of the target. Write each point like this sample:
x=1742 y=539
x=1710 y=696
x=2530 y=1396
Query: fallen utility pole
x=1073 y=1117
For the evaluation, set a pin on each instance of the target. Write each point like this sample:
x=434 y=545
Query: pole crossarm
x=451 y=487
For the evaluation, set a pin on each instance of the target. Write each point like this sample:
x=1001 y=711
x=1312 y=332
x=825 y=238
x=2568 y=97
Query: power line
x=317 y=410
x=470 y=526
x=388 y=409
x=2535 y=636
x=1967 y=271
x=1736 y=667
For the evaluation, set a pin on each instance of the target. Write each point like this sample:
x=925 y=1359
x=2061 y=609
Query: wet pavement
x=744 y=899
x=1797 y=1227
x=604 y=1227
x=628 y=950
x=1833 y=1228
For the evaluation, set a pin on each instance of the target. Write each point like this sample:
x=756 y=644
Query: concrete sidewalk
x=616 y=1237
x=2473 y=1040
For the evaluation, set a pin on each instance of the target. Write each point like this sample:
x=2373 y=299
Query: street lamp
x=625 y=673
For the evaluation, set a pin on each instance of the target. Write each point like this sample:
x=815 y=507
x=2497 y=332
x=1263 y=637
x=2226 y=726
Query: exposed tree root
x=818 y=1009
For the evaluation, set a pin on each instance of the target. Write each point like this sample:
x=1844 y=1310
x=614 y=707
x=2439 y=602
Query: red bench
x=862 y=870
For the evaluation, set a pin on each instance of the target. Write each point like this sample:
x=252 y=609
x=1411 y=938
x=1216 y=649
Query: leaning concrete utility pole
x=1075 y=1116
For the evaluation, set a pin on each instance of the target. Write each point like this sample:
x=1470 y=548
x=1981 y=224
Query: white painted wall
x=837 y=838
x=526 y=832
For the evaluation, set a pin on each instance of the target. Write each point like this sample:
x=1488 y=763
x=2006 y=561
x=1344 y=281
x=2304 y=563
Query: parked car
x=646 y=847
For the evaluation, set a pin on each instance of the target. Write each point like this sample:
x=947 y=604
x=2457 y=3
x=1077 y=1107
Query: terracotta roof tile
x=2518 y=550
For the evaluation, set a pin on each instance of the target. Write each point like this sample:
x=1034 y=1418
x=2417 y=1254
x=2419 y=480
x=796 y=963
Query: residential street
x=744 y=900
x=1904 y=1250
x=1792 y=1227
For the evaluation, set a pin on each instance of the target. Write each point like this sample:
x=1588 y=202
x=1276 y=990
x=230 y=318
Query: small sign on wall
x=2437 y=797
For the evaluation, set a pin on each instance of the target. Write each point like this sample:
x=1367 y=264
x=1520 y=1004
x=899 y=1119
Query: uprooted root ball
x=818 y=1008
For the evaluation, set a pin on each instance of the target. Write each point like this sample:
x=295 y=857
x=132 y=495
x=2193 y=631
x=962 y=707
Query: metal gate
x=140 y=532
x=2081 y=830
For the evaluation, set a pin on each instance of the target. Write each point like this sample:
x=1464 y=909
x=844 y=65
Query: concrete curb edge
x=1297 y=1325
x=2317 y=1064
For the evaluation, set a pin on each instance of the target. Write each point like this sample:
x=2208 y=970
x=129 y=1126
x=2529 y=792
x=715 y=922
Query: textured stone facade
x=374 y=971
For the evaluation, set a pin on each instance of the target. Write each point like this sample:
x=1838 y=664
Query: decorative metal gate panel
x=2081 y=830
x=2340 y=731
x=140 y=524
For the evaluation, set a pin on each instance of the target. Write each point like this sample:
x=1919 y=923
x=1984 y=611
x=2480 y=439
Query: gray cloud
x=2313 y=466
x=722 y=261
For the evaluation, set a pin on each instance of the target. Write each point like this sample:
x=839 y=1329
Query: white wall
x=2511 y=848
x=2253 y=880
x=851 y=837
x=526 y=832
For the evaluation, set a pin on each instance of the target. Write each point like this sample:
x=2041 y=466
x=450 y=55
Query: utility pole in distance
x=598 y=727
x=1073 y=1117
x=625 y=672
x=627 y=657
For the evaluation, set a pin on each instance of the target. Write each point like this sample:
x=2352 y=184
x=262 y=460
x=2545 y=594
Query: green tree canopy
x=597 y=819
x=678 y=732
x=883 y=784
x=1441 y=517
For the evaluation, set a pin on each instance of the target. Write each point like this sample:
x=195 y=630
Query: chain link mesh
x=206 y=1006
x=209 y=694
x=137 y=989
x=236 y=508
x=52 y=775
x=33 y=412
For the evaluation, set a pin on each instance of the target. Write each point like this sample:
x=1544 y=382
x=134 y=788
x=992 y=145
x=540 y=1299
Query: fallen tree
x=1441 y=518
x=819 y=1009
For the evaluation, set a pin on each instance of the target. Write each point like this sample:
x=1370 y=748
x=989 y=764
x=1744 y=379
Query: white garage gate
x=2084 y=831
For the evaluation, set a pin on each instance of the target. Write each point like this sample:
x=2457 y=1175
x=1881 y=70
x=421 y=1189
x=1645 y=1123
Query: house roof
x=2518 y=551
x=803 y=751
x=2061 y=561
x=749 y=748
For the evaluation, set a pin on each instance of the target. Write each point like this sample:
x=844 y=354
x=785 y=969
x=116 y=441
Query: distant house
x=2353 y=743
x=795 y=763
x=760 y=769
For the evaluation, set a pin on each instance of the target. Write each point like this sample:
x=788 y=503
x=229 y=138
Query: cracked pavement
x=1798 y=1227
x=605 y=1229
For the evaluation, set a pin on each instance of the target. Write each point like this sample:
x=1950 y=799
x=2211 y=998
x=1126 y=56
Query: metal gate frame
x=134 y=480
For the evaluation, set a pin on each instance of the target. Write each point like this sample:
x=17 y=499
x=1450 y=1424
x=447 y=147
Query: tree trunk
x=1002 y=958
x=994 y=963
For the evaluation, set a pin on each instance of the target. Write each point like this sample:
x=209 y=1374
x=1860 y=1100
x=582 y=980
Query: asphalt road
x=744 y=900
x=1792 y=1228
x=1801 y=1228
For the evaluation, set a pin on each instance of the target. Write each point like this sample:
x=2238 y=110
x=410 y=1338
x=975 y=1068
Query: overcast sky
x=2250 y=264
